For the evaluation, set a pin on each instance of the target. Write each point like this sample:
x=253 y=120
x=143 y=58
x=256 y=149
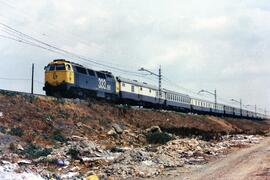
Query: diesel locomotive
x=71 y=80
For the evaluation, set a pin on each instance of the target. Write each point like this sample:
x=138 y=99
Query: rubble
x=8 y=172
x=176 y=153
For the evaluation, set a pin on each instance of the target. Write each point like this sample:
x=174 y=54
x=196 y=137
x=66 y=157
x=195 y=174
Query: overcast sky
x=222 y=44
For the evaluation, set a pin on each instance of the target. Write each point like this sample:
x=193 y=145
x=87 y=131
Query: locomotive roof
x=76 y=64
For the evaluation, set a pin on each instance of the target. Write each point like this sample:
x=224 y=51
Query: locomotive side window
x=101 y=75
x=81 y=70
x=91 y=72
x=60 y=67
x=68 y=67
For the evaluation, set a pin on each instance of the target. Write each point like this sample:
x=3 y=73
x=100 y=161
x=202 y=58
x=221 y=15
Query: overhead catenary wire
x=54 y=27
x=88 y=60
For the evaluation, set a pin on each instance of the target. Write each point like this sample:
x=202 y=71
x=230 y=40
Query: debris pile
x=9 y=171
x=150 y=161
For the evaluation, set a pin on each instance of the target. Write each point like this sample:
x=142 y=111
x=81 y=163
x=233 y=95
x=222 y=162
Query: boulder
x=117 y=128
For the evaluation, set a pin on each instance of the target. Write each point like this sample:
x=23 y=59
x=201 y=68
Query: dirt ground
x=42 y=118
x=249 y=163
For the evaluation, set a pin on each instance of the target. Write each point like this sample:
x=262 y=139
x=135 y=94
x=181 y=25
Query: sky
x=210 y=44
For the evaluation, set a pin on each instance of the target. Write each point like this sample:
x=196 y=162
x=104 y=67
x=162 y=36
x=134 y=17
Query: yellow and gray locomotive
x=67 y=79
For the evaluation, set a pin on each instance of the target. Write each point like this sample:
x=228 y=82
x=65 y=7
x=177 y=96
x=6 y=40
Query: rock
x=12 y=147
x=1 y=114
x=117 y=128
x=120 y=149
x=19 y=147
x=24 y=161
x=79 y=124
x=60 y=162
x=92 y=177
x=111 y=132
x=70 y=175
x=153 y=129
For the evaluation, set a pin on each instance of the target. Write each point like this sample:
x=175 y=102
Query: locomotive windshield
x=57 y=67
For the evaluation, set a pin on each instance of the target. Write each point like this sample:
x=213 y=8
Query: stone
x=120 y=149
x=153 y=129
x=92 y=177
x=60 y=162
x=24 y=161
x=117 y=128
x=19 y=147
x=111 y=132
x=70 y=175
x=1 y=114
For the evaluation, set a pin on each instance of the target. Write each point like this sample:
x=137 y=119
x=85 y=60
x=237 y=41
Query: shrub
x=64 y=113
x=16 y=132
x=34 y=151
x=49 y=117
x=158 y=137
x=58 y=136
x=74 y=153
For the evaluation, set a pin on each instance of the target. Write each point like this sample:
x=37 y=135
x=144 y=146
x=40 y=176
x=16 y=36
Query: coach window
x=132 y=88
x=141 y=88
x=150 y=90
x=123 y=84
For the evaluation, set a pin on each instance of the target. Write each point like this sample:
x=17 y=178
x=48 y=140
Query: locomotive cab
x=58 y=72
x=58 y=75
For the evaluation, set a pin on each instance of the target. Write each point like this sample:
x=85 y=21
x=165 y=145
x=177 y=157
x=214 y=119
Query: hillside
x=40 y=125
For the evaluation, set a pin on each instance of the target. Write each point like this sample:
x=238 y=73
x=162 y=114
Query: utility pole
x=241 y=106
x=215 y=98
x=255 y=109
x=212 y=93
x=255 y=106
x=32 y=82
x=159 y=75
x=240 y=102
x=159 y=81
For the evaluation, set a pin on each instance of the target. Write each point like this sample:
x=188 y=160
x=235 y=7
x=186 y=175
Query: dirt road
x=250 y=163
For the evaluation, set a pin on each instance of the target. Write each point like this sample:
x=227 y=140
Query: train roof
x=135 y=82
x=176 y=93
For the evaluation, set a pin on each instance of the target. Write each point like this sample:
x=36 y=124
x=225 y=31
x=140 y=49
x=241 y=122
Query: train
x=71 y=80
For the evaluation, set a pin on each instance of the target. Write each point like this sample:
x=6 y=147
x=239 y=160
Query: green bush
x=58 y=136
x=64 y=113
x=158 y=138
x=48 y=117
x=16 y=132
x=74 y=153
x=34 y=151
